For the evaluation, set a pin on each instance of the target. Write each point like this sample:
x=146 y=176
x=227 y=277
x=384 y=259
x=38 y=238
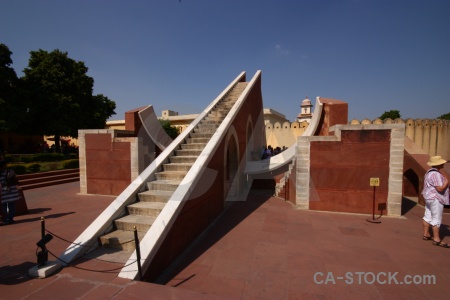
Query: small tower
x=305 y=111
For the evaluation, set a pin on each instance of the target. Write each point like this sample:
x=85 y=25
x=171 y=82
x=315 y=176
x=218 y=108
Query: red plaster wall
x=291 y=185
x=208 y=200
x=288 y=192
x=341 y=172
x=334 y=112
x=108 y=165
x=132 y=120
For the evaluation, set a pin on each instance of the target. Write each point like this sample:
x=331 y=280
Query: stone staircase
x=142 y=213
x=42 y=179
x=280 y=185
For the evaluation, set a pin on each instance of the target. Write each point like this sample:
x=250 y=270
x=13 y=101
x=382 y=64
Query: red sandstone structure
x=171 y=195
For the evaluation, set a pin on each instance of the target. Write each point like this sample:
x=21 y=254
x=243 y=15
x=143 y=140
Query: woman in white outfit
x=436 y=194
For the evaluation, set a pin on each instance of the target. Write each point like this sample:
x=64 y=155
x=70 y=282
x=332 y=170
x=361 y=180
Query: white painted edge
x=153 y=239
x=275 y=162
x=103 y=223
x=153 y=127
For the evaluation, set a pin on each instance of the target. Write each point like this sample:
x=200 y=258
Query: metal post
x=373 y=210
x=42 y=227
x=138 y=252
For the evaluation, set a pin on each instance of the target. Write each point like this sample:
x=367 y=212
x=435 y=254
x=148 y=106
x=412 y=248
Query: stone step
x=241 y=86
x=189 y=152
x=155 y=196
x=218 y=120
x=211 y=126
x=214 y=116
x=171 y=175
x=163 y=185
x=177 y=167
x=211 y=122
x=197 y=140
x=183 y=159
x=143 y=213
x=201 y=135
x=120 y=239
x=205 y=130
x=234 y=94
x=48 y=183
x=238 y=88
x=150 y=209
x=110 y=254
x=220 y=111
x=23 y=177
x=193 y=146
x=42 y=179
x=224 y=109
x=229 y=102
x=50 y=177
x=127 y=223
x=225 y=105
x=231 y=97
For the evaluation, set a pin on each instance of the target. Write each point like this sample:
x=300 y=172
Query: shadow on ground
x=51 y=216
x=234 y=213
x=407 y=205
x=12 y=275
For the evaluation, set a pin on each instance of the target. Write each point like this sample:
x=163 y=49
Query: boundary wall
x=431 y=135
x=336 y=170
x=110 y=158
x=284 y=135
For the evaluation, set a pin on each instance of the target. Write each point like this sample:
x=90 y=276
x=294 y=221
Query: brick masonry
x=333 y=172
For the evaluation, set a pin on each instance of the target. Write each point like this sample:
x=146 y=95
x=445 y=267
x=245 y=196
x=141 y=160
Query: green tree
x=392 y=114
x=8 y=83
x=445 y=116
x=169 y=129
x=58 y=98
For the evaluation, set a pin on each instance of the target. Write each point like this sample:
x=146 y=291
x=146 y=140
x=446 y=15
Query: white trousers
x=433 y=212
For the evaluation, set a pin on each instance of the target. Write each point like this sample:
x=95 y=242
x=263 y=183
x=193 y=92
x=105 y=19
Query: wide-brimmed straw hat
x=436 y=161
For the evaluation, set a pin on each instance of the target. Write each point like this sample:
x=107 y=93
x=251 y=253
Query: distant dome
x=306 y=102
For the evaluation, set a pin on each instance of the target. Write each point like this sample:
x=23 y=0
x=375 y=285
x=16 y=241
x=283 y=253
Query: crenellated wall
x=432 y=135
x=284 y=135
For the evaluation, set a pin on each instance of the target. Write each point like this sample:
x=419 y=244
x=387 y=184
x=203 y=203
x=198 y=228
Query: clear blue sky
x=377 y=55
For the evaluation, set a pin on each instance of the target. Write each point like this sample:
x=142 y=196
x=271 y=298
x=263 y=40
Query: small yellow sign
x=374 y=181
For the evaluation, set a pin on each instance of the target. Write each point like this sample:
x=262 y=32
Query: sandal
x=440 y=244
x=427 y=238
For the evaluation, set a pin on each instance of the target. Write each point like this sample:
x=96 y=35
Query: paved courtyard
x=258 y=249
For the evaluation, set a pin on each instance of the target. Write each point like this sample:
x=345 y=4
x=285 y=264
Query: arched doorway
x=410 y=183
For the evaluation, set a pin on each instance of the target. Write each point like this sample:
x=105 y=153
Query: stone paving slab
x=267 y=250
x=258 y=249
